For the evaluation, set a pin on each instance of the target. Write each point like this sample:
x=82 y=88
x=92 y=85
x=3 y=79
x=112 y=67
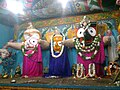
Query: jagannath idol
x=59 y=64
x=90 y=49
x=31 y=48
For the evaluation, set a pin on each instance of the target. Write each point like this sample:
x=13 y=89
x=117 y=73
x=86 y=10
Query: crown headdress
x=85 y=23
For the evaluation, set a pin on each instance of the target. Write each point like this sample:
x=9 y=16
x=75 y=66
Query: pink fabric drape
x=98 y=60
x=32 y=66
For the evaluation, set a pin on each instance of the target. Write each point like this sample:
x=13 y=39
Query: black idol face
x=87 y=34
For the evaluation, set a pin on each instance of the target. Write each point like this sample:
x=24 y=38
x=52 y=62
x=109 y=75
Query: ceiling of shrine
x=46 y=9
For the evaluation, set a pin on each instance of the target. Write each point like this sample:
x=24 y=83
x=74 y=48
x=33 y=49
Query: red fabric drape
x=100 y=4
x=86 y=5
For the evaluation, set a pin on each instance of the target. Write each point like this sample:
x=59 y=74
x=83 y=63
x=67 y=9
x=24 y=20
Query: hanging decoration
x=80 y=70
x=91 y=70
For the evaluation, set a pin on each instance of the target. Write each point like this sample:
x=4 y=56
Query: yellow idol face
x=57 y=39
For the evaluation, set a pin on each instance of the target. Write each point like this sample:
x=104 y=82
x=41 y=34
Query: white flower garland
x=52 y=51
x=80 y=68
x=92 y=65
x=93 y=47
x=28 y=55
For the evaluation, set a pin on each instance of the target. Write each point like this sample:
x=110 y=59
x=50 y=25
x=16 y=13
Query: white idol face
x=31 y=40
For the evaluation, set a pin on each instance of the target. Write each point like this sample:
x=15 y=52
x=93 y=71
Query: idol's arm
x=14 y=45
x=69 y=43
x=44 y=44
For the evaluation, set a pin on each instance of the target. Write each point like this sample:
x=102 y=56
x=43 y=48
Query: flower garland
x=95 y=45
x=52 y=51
x=80 y=68
x=92 y=65
x=28 y=55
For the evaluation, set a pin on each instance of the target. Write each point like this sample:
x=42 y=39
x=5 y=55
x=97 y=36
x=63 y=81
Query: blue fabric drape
x=59 y=66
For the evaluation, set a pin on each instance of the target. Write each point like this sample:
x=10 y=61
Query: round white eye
x=59 y=43
x=33 y=41
x=91 y=31
x=80 y=33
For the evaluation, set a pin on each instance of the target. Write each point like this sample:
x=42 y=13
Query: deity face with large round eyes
x=31 y=39
x=86 y=36
x=57 y=39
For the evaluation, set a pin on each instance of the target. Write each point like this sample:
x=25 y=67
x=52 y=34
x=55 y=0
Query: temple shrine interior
x=59 y=44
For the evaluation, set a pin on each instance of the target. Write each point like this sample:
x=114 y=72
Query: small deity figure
x=18 y=71
x=7 y=63
x=74 y=70
x=112 y=68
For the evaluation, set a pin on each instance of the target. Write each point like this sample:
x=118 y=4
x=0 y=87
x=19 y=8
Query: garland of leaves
x=95 y=45
x=24 y=51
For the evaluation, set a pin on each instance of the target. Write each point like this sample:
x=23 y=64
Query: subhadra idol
x=59 y=64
